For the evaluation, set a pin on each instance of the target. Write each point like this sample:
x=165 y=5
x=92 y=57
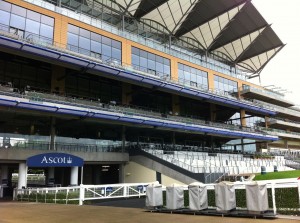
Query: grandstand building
x=138 y=90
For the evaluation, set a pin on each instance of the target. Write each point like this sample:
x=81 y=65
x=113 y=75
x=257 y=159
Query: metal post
x=81 y=176
x=81 y=194
x=273 y=198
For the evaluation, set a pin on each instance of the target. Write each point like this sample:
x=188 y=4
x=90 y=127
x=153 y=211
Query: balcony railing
x=273 y=94
x=280 y=132
x=50 y=44
x=112 y=107
x=173 y=50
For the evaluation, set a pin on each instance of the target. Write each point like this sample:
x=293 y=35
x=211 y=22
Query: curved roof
x=233 y=28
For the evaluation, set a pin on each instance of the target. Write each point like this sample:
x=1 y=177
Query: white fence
x=80 y=193
x=97 y=192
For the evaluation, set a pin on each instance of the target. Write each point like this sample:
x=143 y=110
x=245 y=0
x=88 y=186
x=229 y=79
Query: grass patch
x=278 y=175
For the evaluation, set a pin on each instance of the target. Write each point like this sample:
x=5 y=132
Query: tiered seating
x=233 y=164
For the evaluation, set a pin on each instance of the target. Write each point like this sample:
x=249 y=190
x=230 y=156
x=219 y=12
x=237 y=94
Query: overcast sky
x=284 y=69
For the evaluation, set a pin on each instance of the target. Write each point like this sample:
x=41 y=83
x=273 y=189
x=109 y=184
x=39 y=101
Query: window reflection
x=93 y=44
x=150 y=63
x=192 y=76
x=25 y=23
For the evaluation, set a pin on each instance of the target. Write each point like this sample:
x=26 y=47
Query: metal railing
x=45 y=42
x=172 y=50
x=273 y=94
x=126 y=110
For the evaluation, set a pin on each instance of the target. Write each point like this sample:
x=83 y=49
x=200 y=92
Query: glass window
x=72 y=39
x=85 y=33
x=116 y=53
x=96 y=46
x=5 y=6
x=143 y=62
x=4 y=17
x=143 y=54
x=151 y=56
x=47 y=20
x=106 y=50
x=46 y=31
x=106 y=40
x=151 y=63
x=84 y=43
x=18 y=10
x=192 y=76
x=73 y=29
x=33 y=15
x=32 y=26
x=135 y=60
x=135 y=51
x=116 y=44
x=96 y=37
x=17 y=21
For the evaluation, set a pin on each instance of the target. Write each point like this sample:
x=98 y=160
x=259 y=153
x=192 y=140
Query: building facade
x=101 y=80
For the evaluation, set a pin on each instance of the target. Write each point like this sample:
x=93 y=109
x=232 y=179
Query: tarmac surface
x=23 y=212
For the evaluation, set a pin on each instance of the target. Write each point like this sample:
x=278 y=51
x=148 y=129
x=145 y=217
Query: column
x=58 y=80
x=243 y=117
x=4 y=173
x=3 y=179
x=52 y=134
x=175 y=105
x=121 y=173
x=74 y=176
x=213 y=112
x=126 y=94
x=22 y=179
x=50 y=176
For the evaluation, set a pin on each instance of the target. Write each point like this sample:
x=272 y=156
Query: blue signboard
x=54 y=160
x=109 y=189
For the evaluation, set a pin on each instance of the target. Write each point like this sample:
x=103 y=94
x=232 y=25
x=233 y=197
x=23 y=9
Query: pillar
x=175 y=105
x=267 y=120
x=126 y=94
x=213 y=113
x=50 y=176
x=4 y=173
x=58 y=80
x=74 y=176
x=211 y=80
x=52 y=134
x=22 y=178
x=243 y=117
x=121 y=173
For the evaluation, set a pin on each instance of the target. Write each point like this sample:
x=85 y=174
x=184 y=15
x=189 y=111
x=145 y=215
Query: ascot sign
x=54 y=160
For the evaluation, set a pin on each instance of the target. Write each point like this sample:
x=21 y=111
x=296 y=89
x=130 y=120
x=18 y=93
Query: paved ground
x=11 y=212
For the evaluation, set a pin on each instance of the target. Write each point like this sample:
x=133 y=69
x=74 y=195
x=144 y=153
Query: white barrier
x=109 y=191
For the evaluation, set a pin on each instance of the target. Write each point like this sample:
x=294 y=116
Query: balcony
x=266 y=96
x=93 y=109
x=284 y=124
x=175 y=51
x=282 y=133
x=291 y=113
x=46 y=48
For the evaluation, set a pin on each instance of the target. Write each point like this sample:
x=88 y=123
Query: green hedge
x=287 y=199
x=50 y=198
